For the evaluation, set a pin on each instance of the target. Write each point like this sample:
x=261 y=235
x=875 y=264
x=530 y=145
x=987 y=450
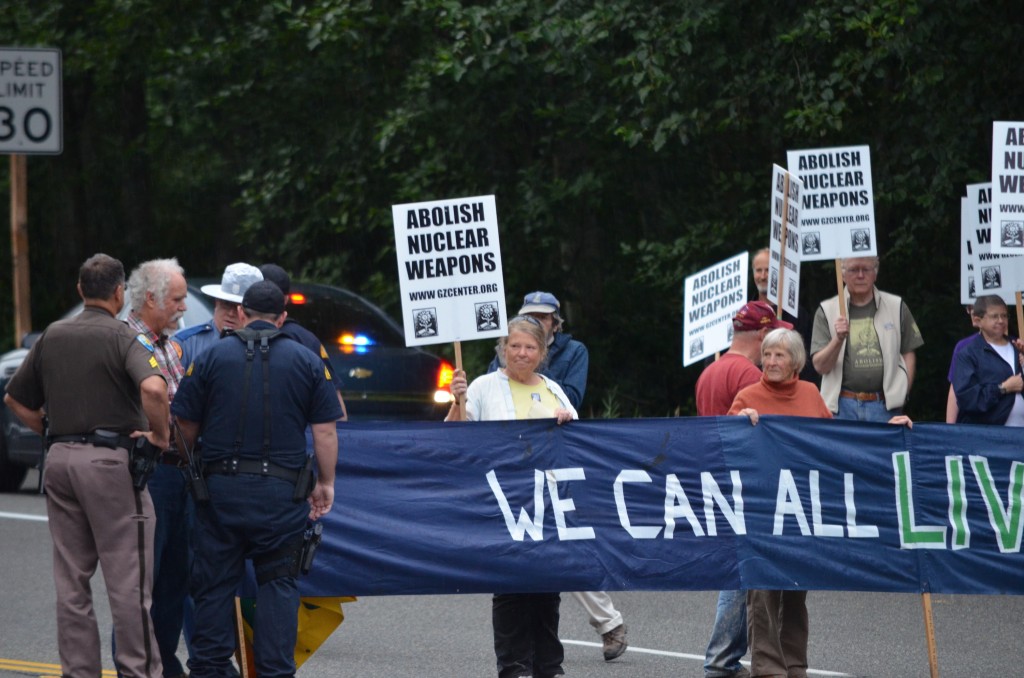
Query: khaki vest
x=894 y=381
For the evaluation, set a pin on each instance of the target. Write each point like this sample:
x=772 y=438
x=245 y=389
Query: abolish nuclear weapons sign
x=710 y=299
x=837 y=207
x=449 y=270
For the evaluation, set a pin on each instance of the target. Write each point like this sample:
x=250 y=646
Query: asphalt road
x=855 y=634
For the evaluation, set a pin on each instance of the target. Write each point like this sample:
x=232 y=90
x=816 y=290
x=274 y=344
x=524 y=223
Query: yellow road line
x=39 y=669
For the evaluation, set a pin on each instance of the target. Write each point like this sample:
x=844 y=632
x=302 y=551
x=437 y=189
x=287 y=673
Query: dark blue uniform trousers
x=248 y=517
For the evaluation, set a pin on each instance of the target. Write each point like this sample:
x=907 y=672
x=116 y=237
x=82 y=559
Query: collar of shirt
x=165 y=354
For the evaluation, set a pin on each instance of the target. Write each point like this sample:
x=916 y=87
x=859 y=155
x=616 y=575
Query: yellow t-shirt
x=533 y=402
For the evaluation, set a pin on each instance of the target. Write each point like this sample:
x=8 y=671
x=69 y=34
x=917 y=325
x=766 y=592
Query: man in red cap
x=716 y=388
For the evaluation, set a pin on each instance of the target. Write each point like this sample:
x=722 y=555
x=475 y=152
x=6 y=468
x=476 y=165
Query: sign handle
x=929 y=630
x=19 y=247
x=243 y=653
x=458 y=368
x=1020 y=316
x=839 y=286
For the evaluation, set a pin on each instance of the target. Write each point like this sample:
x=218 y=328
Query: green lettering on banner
x=1007 y=527
x=961 y=537
x=912 y=536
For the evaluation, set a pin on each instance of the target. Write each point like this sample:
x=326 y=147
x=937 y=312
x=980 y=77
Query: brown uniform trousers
x=777 y=629
x=97 y=517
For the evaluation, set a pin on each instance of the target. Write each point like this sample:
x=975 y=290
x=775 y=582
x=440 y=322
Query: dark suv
x=381 y=378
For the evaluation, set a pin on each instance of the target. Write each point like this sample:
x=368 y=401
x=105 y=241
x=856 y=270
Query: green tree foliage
x=628 y=145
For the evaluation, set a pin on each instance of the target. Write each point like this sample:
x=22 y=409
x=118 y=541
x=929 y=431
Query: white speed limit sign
x=30 y=101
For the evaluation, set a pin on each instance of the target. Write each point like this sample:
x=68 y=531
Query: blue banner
x=703 y=503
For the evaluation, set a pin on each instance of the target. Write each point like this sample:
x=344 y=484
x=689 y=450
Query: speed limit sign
x=30 y=101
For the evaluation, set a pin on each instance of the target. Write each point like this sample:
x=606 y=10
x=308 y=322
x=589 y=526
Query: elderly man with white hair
x=866 y=358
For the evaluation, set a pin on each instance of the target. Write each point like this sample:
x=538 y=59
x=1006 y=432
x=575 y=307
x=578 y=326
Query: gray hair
x=153 y=276
x=791 y=342
x=527 y=325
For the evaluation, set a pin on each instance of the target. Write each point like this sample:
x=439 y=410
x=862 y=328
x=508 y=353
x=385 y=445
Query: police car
x=380 y=377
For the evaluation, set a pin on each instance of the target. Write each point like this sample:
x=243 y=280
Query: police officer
x=293 y=330
x=251 y=396
x=226 y=296
x=101 y=387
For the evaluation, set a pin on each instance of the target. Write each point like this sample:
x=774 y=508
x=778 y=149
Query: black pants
x=526 y=635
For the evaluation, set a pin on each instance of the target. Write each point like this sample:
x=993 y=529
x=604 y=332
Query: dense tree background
x=628 y=143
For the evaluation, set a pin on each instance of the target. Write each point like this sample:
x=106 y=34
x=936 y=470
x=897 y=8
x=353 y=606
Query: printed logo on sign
x=812 y=242
x=1012 y=234
x=791 y=294
x=860 y=240
x=697 y=347
x=972 y=291
x=487 y=316
x=773 y=284
x=425 y=322
x=991 y=277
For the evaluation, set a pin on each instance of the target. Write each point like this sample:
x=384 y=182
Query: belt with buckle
x=863 y=397
x=109 y=442
x=235 y=465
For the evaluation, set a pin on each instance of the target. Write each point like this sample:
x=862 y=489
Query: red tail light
x=444 y=376
x=297 y=298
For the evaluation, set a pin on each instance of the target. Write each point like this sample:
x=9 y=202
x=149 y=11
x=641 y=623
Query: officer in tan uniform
x=101 y=388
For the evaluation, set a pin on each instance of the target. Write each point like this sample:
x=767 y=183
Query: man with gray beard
x=156 y=294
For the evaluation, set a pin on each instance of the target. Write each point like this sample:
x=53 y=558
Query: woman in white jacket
x=525 y=624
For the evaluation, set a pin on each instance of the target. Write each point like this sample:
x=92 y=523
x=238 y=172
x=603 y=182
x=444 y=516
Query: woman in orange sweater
x=777 y=620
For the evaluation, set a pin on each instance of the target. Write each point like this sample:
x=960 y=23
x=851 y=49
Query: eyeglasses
x=859 y=270
x=997 y=316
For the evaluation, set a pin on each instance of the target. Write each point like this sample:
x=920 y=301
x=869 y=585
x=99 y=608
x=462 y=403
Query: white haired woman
x=526 y=640
x=777 y=620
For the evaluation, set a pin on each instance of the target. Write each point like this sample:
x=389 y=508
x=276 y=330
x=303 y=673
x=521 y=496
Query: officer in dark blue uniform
x=251 y=397
x=293 y=330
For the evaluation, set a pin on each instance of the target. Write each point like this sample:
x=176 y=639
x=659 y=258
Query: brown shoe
x=614 y=642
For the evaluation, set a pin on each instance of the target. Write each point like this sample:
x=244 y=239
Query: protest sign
x=1008 y=187
x=449 y=270
x=968 y=262
x=683 y=503
x=710 y=300
x=996 y=273
x=837 y=217
x=784 y=262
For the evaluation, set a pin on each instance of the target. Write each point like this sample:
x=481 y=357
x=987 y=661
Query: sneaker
x=614 y=642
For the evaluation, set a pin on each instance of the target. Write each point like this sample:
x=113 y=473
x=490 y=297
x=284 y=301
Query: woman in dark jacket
x=987 y=379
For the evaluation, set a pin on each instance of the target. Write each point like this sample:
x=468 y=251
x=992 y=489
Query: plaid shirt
x=166 y=351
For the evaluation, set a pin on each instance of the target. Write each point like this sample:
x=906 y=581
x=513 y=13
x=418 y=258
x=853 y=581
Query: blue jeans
x=170 y=561
x=729 y=636
x=865 y=410
x=248 y=517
